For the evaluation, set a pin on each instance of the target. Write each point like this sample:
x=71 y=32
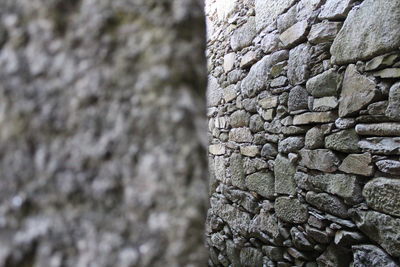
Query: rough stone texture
x=102 y=125
x=290 y=210
x=335 y=9
x=323 y=32
x=370 y=255
x=217 y=149
x=261 y=183
x=343 y=141
x=324 y=84
x=365 y=34
x=284 y=172
x=250 y=257
x=295 y=34
x=381 y=145
x=267 y=11
x=314 y=117
x=325 y=103
x=379 y=129
x=240 y=135
x=239 y=118
x=243 y=36
x=298 y=98
x=319 y=159
x=229 y=61
x=298 y=65
x=236 y=170
x=269 y=102
x=358 y=164
x=389 y=166
x=381 y=61
x=382 y=194
x=393 y=109
x=315 y=137
x=291 y=144
x=327 y=203
x=357 y=92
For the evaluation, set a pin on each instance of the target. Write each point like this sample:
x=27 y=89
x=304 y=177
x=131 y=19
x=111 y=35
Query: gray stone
x=324 y=84
x=240 y=135
x=267 y=11
x=262 y=183
x=319 y=159
x=314 y=117
x=325 y=103
x=259 y=73
x=248 y=59
x=298 y=98
x=250 y=105
x=214 y=92
x=382 y=194
x=315 y=137
x=393 y=109
x=279 y=82
x=236 y=171
x=229 y=93
x=295 y=34
x=298 y=64
x=229 y=61
x=378 y=108
x=389 y=73
x=252 y=165
x=357 y=92
x=379 y=129
x=269 y=102
x=291 y=144
x=365 y=34
x=239 y=118
x=342 y=185
x=273 y=253
x=324 y=32
x=217 y=149
x=327 y=203
x=335 y=9
x=389 y=166
x=287 y=19
x=343 y=141
x=299 y=240
x=270 y=43
x=346 y=239
x=290 y=210
x=360 y=164
x=244 y=35
x=256 y=123
x=250 y=151
x=335 y=256
x=381 y=61
x=250 y=257
x=345 y=123
x=284 y=172
x=381 y=145
x=318 y=235
x=219 y=166
x=233 y=253
x=267 y=223
x=269 y=151
x=381 y=228
x=371 y=256
x=267 y=114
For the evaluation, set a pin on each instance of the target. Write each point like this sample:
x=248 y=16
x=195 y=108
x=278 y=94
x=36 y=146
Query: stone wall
x=102 y=133
x=304 y=131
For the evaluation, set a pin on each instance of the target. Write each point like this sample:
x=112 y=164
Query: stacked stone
x=304 y=126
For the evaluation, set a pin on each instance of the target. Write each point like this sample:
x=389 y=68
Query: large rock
x=295 y=34
x=335 y=9
x=314 y=117
x=290 y=210
x=343 y=141
x=315 y=137
x=268 y=102
x=267 y=11
x=261 y=183
x=379 y=129
x=382 y=194
x=327 y=203
x=236 y=169
x=393 y=109
x=298 y=98
x=266 y=223
x=284 y=172
x=360 y=164
x=239 y=118
x=260 y=72
x=298 y=64
x=325 y=103
x=381 y=145
x=381 y=228
x=357 y=92
x=240 y=135
x=244 y=35
x=216 y=149
x=324 y=84
x=342 y=185
x=366 y=34
x=324 y=32
x=371 y=256
x=319 y=159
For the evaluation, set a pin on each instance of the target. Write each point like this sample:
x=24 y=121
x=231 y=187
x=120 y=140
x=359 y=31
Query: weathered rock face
x=102 y=162
x=315 y=130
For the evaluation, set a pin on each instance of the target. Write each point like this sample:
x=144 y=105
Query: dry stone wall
x=304 y=132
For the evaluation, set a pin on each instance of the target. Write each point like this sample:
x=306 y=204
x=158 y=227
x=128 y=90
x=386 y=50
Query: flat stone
x=290 y=210
x=248 y=59
x=342 y=185
x=381 y=228
x=279 y=69
x=252 y=165
x=324 y=84
x=266 y=114
x=291 y=144
x=220 y=169
x=393 y=109
x=314 y=117
x=379 y=129
x=260 y=72
x=357 y=92
x=319 y=159
x=318 y=235
x=365 y=34
x=287 y=19
x=249 y=151
x=345 y=123
x=324 y=32
x=240 y=135
x=378 y=108
x=295 y=34
x=244 y=35
x=256 y=123
x=217 y=149
x=346 y=238
x=214 y=92
x=269 y=151
x=298 y=64
x=229 y=61
x=299 y=240
x=327 y=203
x=279 y=82
x=239 y=118
x=236 y=170
x=308 y=9
x=389 y=166
x=250 y=104
x=298 y=98
x=267 y=11
x=360 y=164
x=270 y=43
x=262 y=183
x=315 y=137
x=335 y=9
x=325 y=103
x=382 y=194
x=389 y=73
x=229 y=93
x=381 y=61
x=371 y=256
x=343 y=141
x=273 y=253
x=267 y=223
x=250 y=257
x=335 y=256
x=381 y=145
x=284 y=172
x=269 y=102
x=233 y=253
